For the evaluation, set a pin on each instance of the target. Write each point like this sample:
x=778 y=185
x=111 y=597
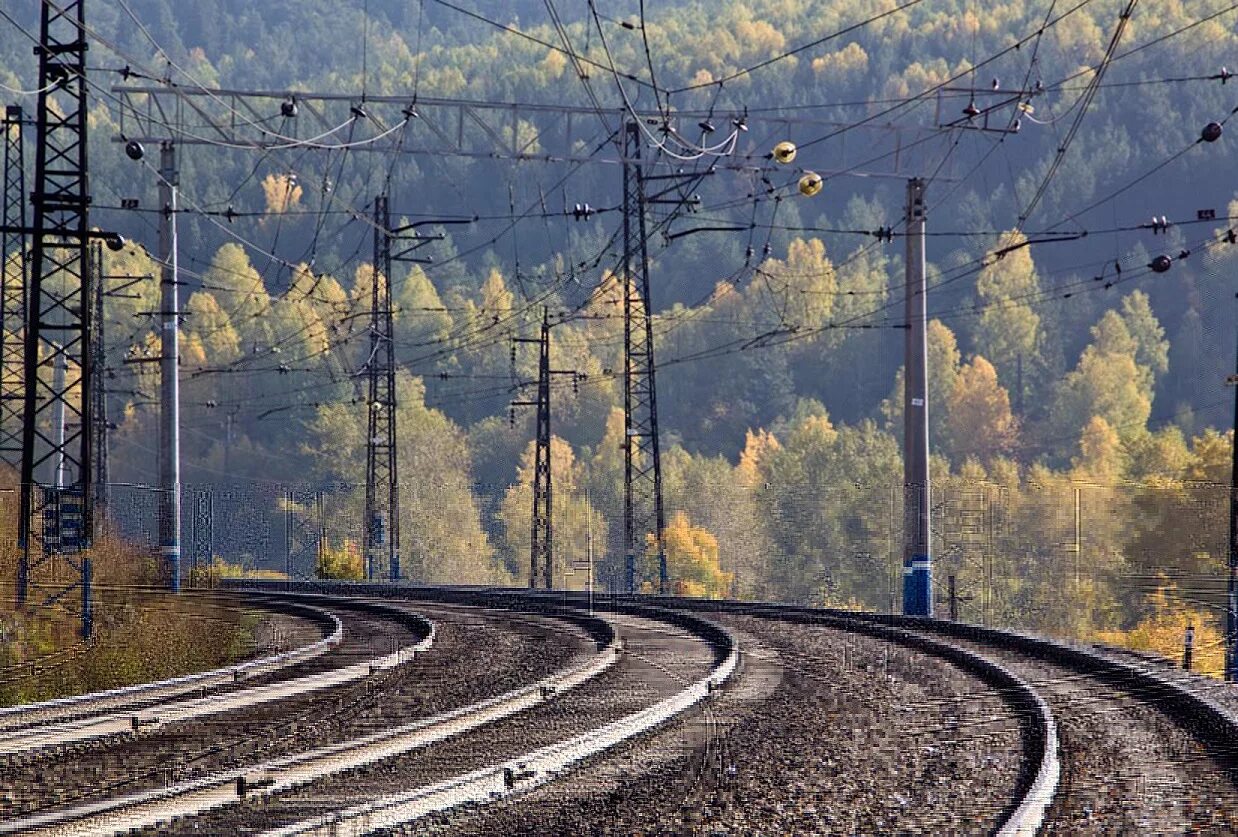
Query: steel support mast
x=98 y=417
x=541 y=537
x=1231 y=592
x=13 y=290
x=643 y=516
x=169 y=372
x=917 y=494
x=541 y=542
x=58 y=321
x=382 y=493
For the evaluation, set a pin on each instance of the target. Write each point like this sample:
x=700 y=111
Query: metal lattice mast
x=13 y=290
x=382 y=495
x=58 y=323
x=541 y=543
x=541 y=546
x=643 y=516
x=203 y=535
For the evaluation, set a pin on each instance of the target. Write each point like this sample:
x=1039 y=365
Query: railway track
x=280 y=628
x=53 y=789
x=1140 y=753
x=836 y=722
x=49 y=722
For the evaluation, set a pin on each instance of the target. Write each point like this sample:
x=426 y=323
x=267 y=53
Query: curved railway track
x=55 y=788
x=756 y=719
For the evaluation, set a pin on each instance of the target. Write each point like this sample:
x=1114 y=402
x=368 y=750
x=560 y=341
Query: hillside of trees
x=1078 y=411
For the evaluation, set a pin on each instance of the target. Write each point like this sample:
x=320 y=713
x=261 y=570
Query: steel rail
x=57 y=709
x=523 y=773
x=153 y=807
x=1037 y=784
x=152 y=717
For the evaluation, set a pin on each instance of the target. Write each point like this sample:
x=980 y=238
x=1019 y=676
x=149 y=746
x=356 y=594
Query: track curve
x=835 y=722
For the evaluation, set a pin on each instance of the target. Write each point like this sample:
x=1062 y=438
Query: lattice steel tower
x=541 y=541
x=13 y=290
x=58 y=323
x=382 y=491
x=643 y=516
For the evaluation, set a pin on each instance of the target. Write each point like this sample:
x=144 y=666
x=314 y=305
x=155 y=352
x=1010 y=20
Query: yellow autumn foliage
x=1163 y=632
x=692 y=560
x=282 y=192
x=344 y=562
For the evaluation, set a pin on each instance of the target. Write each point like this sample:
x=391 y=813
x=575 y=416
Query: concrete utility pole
x=917 y=496
x=1231 y=595
x=98 y=416
x=169 y=375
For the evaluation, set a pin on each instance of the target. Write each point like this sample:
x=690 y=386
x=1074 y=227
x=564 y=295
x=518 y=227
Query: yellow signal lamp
x=784 y=152
x=811 y=184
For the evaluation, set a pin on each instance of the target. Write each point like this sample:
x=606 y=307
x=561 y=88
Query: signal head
x=784 y=152
x=811 y=184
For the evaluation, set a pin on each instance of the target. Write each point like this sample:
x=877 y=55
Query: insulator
x=1212 y=132
x=134 y=150
x=784 y=152
x=971 y=109
x=288 y=108
x=1161 y=264
x=811 y=184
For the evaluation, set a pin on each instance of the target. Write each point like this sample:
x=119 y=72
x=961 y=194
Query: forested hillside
x=1069 y=381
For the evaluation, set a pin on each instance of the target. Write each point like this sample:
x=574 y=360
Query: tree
x=344 y=562
x=802 y=288
x=757 y=449
x=692 y=560
x=574 y=518
x=440 y=520
x=943 y=359
x=282 y=193
x=421 y=315
x=213 y=327
x=244 y=295
x=978 y=420
x=1009 y=328
x=1151 y=347
x=1163 y=631
x=1107 y=382
x=1101 y=456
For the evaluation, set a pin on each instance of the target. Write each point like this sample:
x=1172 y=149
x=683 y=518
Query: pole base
x=918 y=586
